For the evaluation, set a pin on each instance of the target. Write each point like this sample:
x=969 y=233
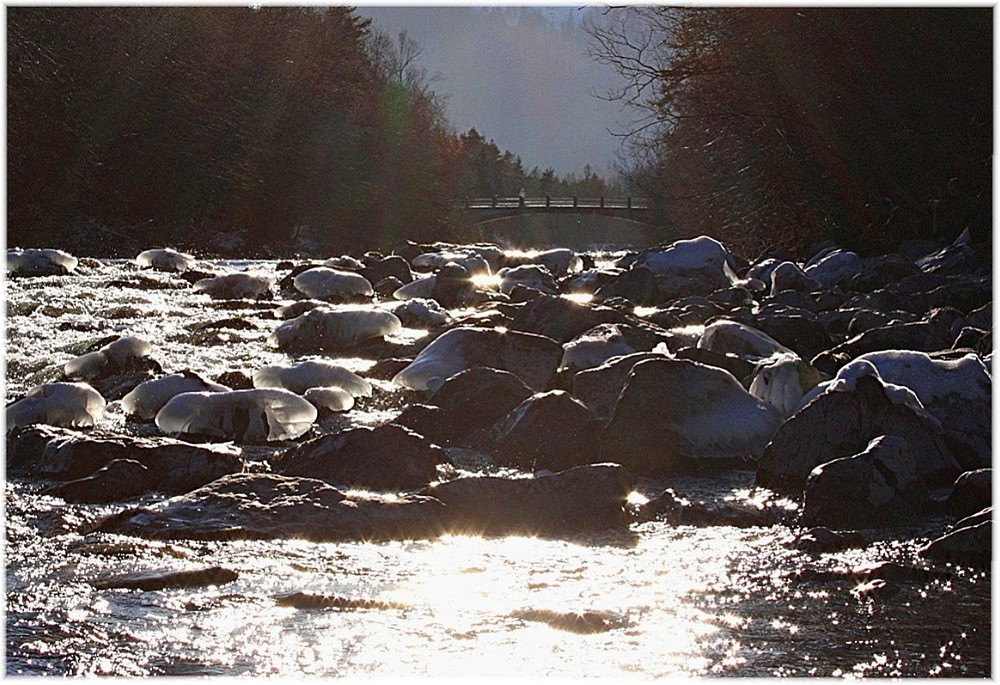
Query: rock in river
x=163 y=580
x=842 y=420
x=388 y=457
x=880 y=486
x=263 y=506
x=174 y=466
x=674 y=415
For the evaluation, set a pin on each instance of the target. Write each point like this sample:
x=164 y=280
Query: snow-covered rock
x=324 y=283
x=120 y=354
x=532 y=358
x=302 y=376
x=165 y=259
x=247 y=416
x=783 y=380
x=72 y=405
x=44 y=262
x=149 y=397
x=733 y=337
x=236 y=286
x=326 y=329
x=594 y=347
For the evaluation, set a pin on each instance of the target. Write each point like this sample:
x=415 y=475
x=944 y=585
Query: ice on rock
x=932 y=379
x=72 y=405
x=121 y=353
x=734 y=337
x=250 y=416
x=530 y=275
x=323 y=282
x=300 y=377
x=166 y=259
x=783 y=380
x=330 y=398
x=687 y=255
x=847 y=378
x=236 y=286
x=593 y=348
x=328 y=328
x=32 y=262
x=419 y=312
x=149 y=397
x=420 y=288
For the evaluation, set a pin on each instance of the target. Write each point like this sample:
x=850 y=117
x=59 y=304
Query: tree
x=780 y=126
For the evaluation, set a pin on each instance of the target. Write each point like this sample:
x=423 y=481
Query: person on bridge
x=520 y=197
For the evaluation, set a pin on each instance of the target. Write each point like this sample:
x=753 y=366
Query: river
x=680 y=600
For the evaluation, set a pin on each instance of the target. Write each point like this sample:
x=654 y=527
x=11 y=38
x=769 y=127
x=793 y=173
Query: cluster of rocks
x=861 y=386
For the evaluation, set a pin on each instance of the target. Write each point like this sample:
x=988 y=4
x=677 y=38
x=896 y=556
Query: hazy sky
x=525 y=82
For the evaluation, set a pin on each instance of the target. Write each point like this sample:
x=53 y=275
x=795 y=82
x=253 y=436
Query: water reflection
x=679 y=600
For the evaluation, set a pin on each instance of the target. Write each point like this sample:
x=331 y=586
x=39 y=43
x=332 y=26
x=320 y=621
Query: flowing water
x=676 y=600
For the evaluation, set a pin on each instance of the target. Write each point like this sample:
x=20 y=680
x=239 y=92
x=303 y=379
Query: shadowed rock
x=174 y=466
x=121 y=479
x=972 y=492
x=550 y=430
x=841 y=424
x=585 y=498
x=305 y=600
x=387 y=457
x=262 y=506
x=164 y=580
x=585 y=623
x=675 y=416
x=878 y=487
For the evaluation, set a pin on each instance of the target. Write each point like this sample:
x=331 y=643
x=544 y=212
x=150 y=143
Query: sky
x=519 y=77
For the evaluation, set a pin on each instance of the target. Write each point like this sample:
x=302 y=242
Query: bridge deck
x=557 y=203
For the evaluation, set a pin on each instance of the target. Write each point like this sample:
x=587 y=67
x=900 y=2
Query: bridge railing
x=556 y=203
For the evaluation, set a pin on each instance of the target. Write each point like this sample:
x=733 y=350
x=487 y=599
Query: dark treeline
x=775 y=127
x=172 y=125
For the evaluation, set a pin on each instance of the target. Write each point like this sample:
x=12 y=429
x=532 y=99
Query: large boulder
x=549 y=430
x=972 y=492
x=532 y=358
x=466 y=405
x=388 y=457
x=44 y=262
x=842 y=420
x=265 y=506
x=968 y=543
x=598 y=388
x=878 y=487
x=958 y=392
x=581 y=499
x=174 y=466
x=562 y=319
x=701 y=265
x=675 y=415
x=121 y=479
x=75 y=405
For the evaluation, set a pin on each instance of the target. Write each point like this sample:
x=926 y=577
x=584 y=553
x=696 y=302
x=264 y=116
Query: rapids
x=659 y=600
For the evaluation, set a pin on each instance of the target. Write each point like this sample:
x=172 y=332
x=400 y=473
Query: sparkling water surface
x=677 y=600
